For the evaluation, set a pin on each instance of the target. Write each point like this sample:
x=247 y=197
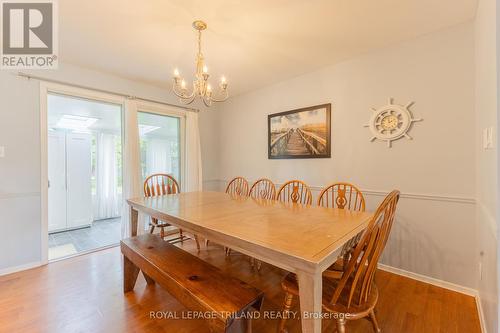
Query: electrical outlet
x=2 y=152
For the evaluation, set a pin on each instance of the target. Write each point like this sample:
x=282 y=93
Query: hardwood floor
x=84 y=294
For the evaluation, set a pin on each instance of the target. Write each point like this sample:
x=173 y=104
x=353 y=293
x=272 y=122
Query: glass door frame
x=47 y=88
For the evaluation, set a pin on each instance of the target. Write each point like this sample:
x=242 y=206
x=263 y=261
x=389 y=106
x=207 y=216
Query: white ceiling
x=109 y=116
x=253 y=43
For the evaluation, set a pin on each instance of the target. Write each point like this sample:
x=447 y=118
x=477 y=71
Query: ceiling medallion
x=201 y=87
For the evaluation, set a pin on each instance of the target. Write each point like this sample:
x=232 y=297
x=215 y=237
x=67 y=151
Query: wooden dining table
x=301 y=239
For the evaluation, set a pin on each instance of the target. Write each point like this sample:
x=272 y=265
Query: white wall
x=434 y=234
x=19 y=172
x=486 y=160
x=20 y=221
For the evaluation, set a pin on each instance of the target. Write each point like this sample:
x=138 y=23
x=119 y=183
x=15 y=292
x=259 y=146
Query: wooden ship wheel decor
x=391 y=122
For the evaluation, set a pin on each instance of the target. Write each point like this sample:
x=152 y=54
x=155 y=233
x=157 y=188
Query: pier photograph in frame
x=301 y=133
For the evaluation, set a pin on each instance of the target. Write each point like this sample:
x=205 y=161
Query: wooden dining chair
x=352 y=294
x=263 y=189
x=237 y=186
x=343 y=196
x=162 y=184
x=295 y=191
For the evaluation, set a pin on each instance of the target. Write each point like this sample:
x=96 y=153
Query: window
x=160 y=144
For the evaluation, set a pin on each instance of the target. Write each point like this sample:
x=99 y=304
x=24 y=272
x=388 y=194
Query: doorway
x=84 y=155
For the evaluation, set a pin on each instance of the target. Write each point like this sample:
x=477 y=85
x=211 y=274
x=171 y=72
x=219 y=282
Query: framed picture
x=301 y=133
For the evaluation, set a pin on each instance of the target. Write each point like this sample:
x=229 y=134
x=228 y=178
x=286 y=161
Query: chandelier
x=201 y=87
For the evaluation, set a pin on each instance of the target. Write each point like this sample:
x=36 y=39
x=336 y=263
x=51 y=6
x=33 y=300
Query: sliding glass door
x=83 y=159
x=84 y=148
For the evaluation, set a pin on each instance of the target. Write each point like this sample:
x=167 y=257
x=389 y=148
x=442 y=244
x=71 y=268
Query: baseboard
x=435 y=282
x=480 y=312
x=19 y=268
x=442 y=284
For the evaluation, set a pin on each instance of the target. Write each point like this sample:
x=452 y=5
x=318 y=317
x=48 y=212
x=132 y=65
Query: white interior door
x=79 y=195
x=57 y=180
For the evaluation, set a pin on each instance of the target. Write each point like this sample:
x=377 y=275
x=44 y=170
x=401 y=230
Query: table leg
x=310 y=289
x=134 y=217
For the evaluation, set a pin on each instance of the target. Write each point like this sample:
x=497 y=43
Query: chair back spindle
x=295 y=191
x=160 y=184
x=237 y=186
x=263 y=189
x=343 y=196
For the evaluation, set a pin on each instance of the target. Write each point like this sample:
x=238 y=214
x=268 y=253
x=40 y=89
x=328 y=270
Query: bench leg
x=246 y=325
x=149 y=280
x=130 y=272
x=241 y=325
x=216 y=326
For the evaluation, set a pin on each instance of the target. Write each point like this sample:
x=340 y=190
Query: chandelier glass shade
x=201 y=87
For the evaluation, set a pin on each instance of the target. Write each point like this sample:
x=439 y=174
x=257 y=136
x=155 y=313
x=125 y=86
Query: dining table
x=303 y=239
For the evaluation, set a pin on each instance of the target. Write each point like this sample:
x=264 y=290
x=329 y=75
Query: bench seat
x=196 y=284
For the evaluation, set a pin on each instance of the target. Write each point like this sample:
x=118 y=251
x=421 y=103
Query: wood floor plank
x=84 y=294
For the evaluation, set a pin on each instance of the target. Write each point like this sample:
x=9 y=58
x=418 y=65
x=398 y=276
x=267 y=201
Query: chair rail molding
x=18 y=195
x=406 y=195
x=490 y=219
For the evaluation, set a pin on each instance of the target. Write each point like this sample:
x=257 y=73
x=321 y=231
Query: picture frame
x=300 y=134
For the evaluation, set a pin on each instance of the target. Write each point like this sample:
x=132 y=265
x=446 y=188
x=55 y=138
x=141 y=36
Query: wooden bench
x=195 y=283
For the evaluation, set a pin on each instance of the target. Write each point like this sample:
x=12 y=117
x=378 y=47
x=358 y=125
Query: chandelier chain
x=199 y=41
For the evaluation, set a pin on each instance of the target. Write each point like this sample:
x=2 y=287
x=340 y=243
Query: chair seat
x=161 y=224
x=355 y=311
x=337 y=266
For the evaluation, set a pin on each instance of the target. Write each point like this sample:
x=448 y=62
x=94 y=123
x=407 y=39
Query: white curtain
x=132 y=179
x=193 y=181
x=158 y=156
x=108 y=200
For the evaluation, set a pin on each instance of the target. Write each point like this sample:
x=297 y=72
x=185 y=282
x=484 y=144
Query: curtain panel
x=193 y=169
x=108 y=202
x=132 y=180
